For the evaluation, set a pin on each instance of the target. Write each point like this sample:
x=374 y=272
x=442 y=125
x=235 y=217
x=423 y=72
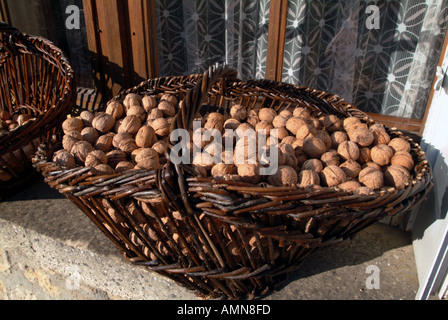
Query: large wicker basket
x=37 y=80
x=201 y=228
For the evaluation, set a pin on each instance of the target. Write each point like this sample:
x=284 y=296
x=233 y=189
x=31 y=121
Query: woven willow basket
x=35 y=79
x=226 y=239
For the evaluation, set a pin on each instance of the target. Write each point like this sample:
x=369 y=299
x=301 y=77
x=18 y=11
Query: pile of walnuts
x=9 y=122
x=313 y=151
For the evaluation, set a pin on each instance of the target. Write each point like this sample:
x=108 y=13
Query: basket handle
x=6 y=28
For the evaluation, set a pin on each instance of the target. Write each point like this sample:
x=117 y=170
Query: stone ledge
x=47 y=245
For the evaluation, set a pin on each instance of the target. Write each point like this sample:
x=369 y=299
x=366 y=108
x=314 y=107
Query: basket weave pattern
x=36 y=79
x=226 y=239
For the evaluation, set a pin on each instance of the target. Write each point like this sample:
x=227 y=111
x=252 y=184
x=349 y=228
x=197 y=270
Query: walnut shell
x=308 y=178
x=325 y=137
x=332 y=123
x=245 y=151
x=371 y=177
x=349 y=150
x=294 y=124
x=314 y=147
x=381 y=154
x=155 y=114
x=286 y=114
x=161 y=127
x=124 y=166
x=130 y=125
x=351 y=168
x=114 y=157
x=90 y=135
x=103 y=122
x=331 y=157
x=350 y=186
x=220 y=170
x=137 y=111
x=127 y=145
x=399 y=144
x=80 y=151
x=146 y=137
x=337 y=137
x=160 y=147
x=238 y=112
x=313 y=164
x=65 y=159
x=104 y=142
x=364 y=155
x=300 y=112
x=280 y=133
x=285 y=176
x=231 y=124
x=214 y=123
x=119 y=138
x=350 y=122
x=102 y=169
x=279 y=122
x=87 y=118
x=171 y=98
x=267 y=114
x=70 y=139
x=363 y=191
x=305 y=132
x=115 y=109
x=147 y=159
x=167 y=108
x=397 y=176
x=95 y=158
x=264 y=128
x=149 y=103
x=380 y=135
x=332 y=176
x=72 y=124
x=132 y=99
x=362 y=136
x=404 y=159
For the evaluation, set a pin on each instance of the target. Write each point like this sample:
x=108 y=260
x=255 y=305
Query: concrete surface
x=50 y=250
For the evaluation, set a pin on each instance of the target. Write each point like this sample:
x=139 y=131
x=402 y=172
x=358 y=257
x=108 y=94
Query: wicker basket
x=37 y=80
x=226 y=239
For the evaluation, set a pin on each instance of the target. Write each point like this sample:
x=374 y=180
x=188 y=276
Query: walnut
x=400 y=144
x=160 y=147
x=149 y=103
x=286 y=114
x=72 y=124
x=64 y=159
x=325 y=137
x=371 y=164
x=308 y=178
x=130 y=125
x=252 y=117
x=348 y=150
x=245 y=151
x=70 y=139
x=161 y=127
x=155 y=114
x=171 y=98
x=214 y=123
x=220 y=170
x=146 y=137
x=280 y=133
x=363 y=191
x=103 y=122
x=337 y=137
x=305 y=132
x=238 y=112
x=351 y=168
x=397 y=176
x=80 y=151
x=115 y=109
x=5 y=115
x=279 y=122
x=285 y=176
x=264 y=128
x=350 y=123
x=204 y=160
x=294 y=124
x=114 y=157
x=350 y=186
x=267 y=114
x=380 y=135
x=124 y=166
x=404 y=159
x=132 y=99
x=102 y=169
x=381 y=154
x=90 y=135
x=266 y=155
x=104 y=142
x=95 y=158
x=249 y=173
x=362 y=136
x=289 y=140
x=313 y=164
x=231 y=124
x=300 y=112
x=364 y=155
x=167 y=108
x=331 y=157
x=332 y=123
x=371 y=177
x=147 y=159
x=314 y=147
x=127 y=145
x=119 y=138
x=87 y=118
x=137 y=111
x=332 y=176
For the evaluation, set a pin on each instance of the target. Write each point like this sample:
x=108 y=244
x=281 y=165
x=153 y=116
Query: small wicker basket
x=35 y=80
x=226 y=239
